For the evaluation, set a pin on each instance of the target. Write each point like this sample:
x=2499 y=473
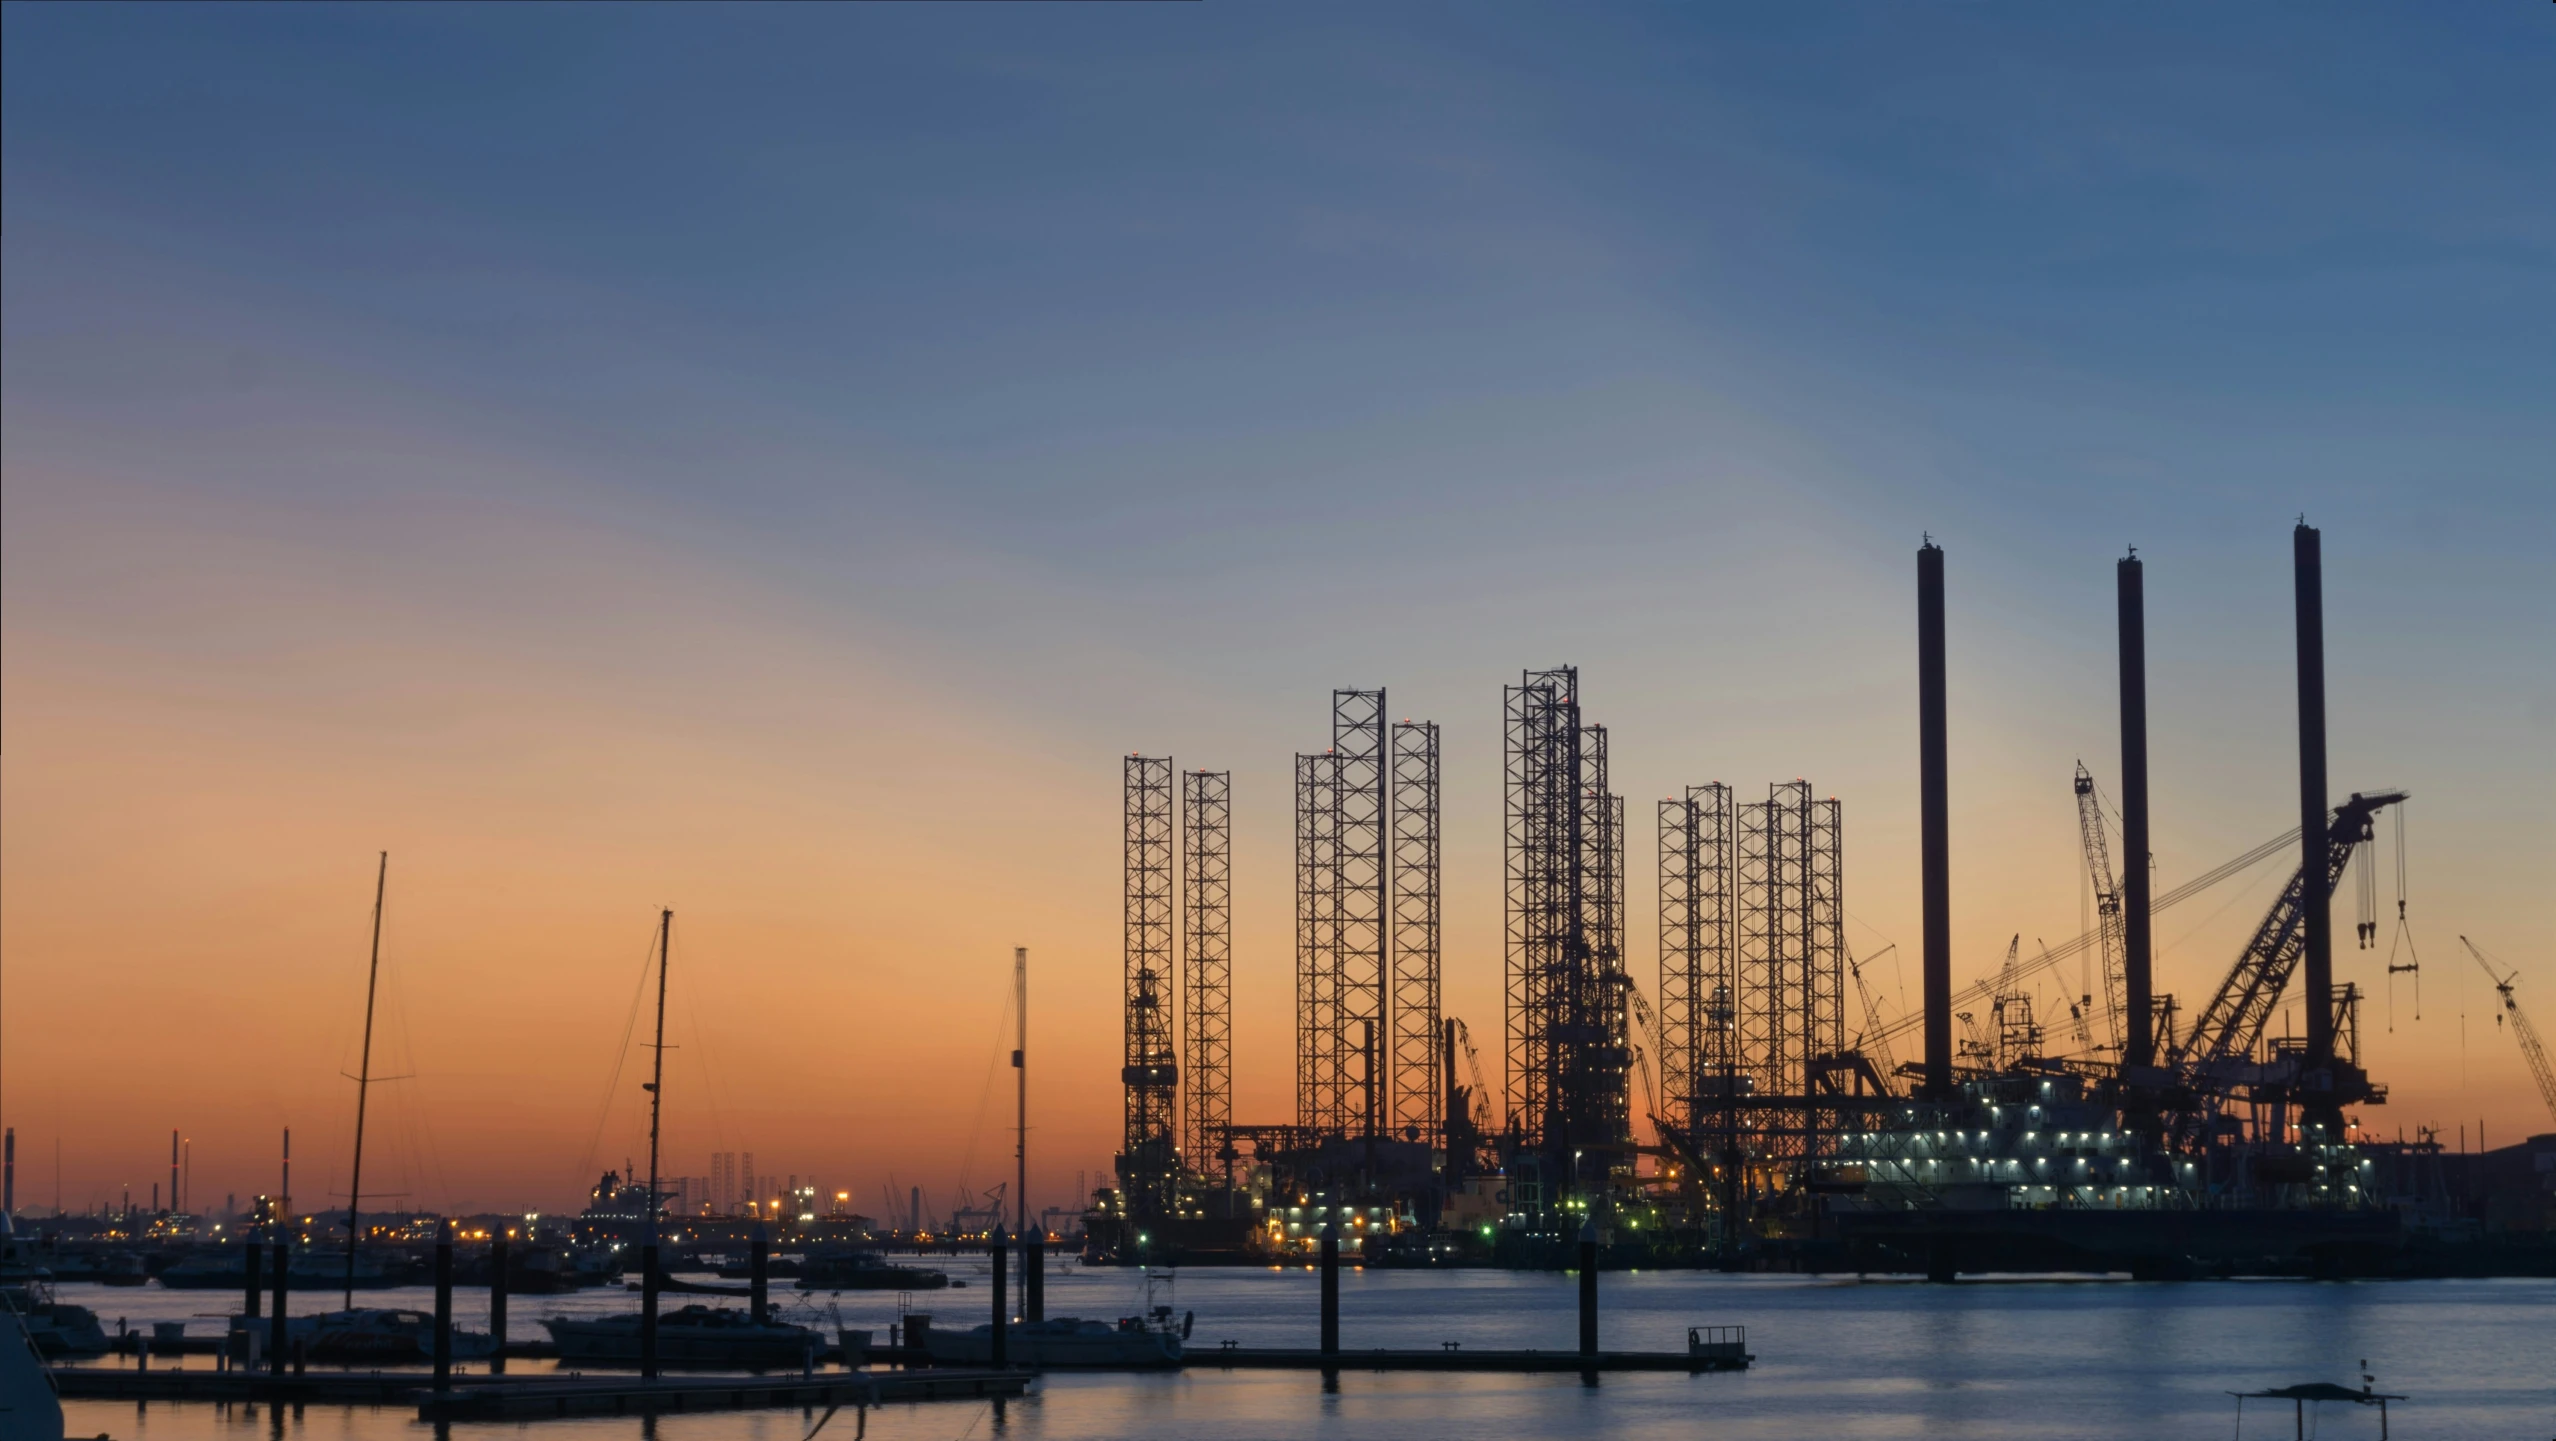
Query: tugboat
x=688 y=1336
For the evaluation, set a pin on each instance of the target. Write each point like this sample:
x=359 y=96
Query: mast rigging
x=363 y=1080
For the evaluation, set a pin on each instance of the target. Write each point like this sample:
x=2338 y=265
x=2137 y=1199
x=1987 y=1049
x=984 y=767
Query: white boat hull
x=1059 y=1344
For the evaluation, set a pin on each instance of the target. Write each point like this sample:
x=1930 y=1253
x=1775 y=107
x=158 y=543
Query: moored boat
x=54 y=1327
x=864 y=1271
x=1062 y=1342
x=29 y=1406
x=60 y=1328
x=369 y=1335
x=687 y=1336
x=226 y=1269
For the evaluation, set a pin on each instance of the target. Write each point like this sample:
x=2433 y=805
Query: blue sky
x=1065 y=381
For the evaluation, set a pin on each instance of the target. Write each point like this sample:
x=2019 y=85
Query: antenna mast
x=657 y=1078
x=1020 y=1066
x=363 y=1084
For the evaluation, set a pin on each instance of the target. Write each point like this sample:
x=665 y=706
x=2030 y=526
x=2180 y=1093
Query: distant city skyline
x=775 y=464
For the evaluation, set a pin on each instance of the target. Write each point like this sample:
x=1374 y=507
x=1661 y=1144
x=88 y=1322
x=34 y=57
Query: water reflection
x=1836 y=1358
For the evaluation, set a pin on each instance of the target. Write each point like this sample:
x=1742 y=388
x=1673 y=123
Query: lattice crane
x=2531 y=1048
x=2230 y=1027
x=2113 y=946
x=1874 y=1038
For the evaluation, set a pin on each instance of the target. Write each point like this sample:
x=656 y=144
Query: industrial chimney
x=2138 y=1040
x=1935 y=830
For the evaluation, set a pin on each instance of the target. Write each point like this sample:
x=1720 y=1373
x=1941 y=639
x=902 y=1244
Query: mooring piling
x=256 y=1283
x=1588 y=1289
x=1034 y=1275
x=1330 y=1282
x=276 y=1339
x=648 y=1310
x=444 y=1306
x=759 y=1273
x=497 y=1305
x=1000 y=1355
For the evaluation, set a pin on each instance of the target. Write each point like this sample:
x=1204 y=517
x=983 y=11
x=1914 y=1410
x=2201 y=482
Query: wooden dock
x=531 y=1400
x=186 y=1383
x=1452 y=1358
x=528 y=1398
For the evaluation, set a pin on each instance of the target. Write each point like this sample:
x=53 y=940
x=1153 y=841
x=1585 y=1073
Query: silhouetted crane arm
x=2107 y=895
x=1984 y=991
x=2230 y=1027
x=2531 y=1048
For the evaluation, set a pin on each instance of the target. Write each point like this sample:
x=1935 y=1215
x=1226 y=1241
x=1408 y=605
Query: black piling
x=276 y=1340
x=1033 y=1276
x=497 y=1305
x=1588 y=1290
x=2139 y=1046
x=256 y=1282
x=997 y=1252
x=1934 y=824
x=444 y=1307
x=1330 y=1283
x=2308 y=576
x=759 y=1270
x=648 y=1309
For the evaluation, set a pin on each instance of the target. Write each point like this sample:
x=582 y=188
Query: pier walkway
x=536 y=1397
x=1455 y=1359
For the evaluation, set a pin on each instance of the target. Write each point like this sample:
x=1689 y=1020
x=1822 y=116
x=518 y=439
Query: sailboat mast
x=657 y=1080
x=363 y=1080
x=1020 y=1064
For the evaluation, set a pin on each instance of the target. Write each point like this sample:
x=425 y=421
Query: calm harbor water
x=1836 y=1358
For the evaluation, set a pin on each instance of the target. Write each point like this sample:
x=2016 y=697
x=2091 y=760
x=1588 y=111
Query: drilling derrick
x=1148 y=1168
x=1207 y=1107
x=1541 y=855
x=1568 y=1061
x=1698 y=984
x=1792 y=962
x=1414 y=1110
x=1598 y=1066
x=1823 y=962
x=1769 y=866
x=1321 y=1059
x=1363 y=793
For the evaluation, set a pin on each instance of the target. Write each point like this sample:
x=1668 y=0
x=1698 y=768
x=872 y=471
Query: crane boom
x=2232 y=1024
x=2531 y=1048
x=2107 y=894
x=1979 y=993
x=1874 y=1034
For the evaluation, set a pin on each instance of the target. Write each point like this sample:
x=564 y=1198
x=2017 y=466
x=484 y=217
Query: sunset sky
x=775 y=463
